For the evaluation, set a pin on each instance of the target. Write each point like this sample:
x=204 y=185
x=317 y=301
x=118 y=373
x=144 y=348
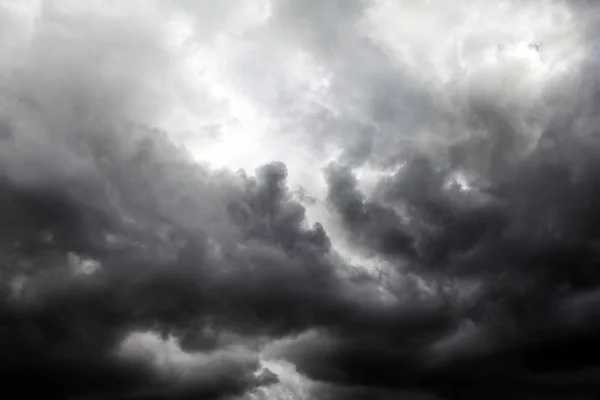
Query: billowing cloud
x=299 y=199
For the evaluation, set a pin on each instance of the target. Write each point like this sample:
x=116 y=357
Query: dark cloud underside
x=129 y=270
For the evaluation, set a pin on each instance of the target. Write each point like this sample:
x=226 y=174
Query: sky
x=299 y=199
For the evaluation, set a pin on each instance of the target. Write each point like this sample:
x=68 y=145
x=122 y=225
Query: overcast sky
x=299 y=199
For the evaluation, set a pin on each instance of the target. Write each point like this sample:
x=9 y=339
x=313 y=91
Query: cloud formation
x=299 y=199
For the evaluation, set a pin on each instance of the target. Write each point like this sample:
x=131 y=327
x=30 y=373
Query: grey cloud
x=109 y=228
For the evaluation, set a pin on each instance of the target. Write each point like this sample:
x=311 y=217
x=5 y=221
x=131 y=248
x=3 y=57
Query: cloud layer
x=299 y=199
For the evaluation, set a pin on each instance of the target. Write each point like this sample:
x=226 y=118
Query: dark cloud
x=526 y=231
x=370 y=222
x=129 y=271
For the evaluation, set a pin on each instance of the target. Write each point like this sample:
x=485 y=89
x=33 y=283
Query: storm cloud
x=299 y=199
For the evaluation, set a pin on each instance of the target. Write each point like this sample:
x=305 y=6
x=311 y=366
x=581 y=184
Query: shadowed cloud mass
x=299 y=200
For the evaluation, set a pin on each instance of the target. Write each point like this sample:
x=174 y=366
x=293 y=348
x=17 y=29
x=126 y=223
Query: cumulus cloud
x=299 y=199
